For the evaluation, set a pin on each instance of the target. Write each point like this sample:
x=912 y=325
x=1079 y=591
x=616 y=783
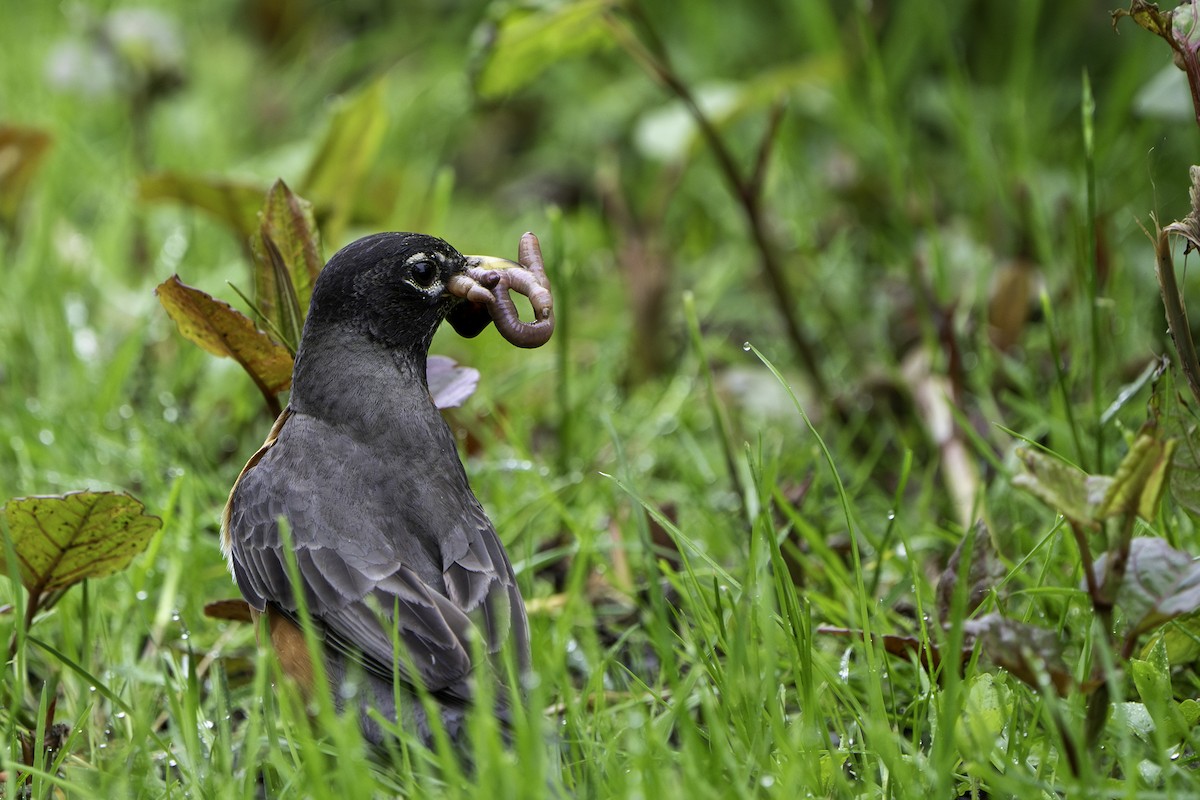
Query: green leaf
x=353 y=140
x=225 y=331
x=1181 y=637
x=526 y=41
x=22 y=151
x=233 y=203
x=1152 y=677
x=61 y=540
x=1067 y=489
x=287 y=259
x=1138 y=484
x=1160 y=583
x=986 y=713
x=1178 y=419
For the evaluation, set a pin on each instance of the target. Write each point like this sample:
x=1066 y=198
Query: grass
x=683 y=540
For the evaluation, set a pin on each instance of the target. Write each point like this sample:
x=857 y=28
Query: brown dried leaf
x=233 y=610
x=1010 y=303
x=21 y=153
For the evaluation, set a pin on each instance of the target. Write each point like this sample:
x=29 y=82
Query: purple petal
x=449 y=383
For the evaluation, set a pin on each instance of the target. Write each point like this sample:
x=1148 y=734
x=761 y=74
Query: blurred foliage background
x=886 y=192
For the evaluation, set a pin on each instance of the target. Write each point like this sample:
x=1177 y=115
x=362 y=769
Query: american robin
x=389 y=540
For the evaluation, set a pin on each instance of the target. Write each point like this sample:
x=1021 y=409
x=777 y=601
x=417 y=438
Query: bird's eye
x=424 y=273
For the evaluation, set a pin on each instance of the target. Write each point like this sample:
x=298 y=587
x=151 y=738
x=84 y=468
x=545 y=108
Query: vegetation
x=860 y=463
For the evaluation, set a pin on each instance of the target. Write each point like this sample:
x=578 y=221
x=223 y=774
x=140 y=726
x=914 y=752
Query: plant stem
x=747 y=191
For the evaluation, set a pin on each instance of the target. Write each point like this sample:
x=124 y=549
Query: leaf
x=232 y=610
x=22 y=151
x=1181 y=637
x=526 y=41
x=225 y=331
x=1027 y=651
x=233 y=203
x=670 y=133
x=1160 y=583
x=287 y=259
x=1138 y=484
x=348 y=150
x=1178 y=419
x=1065 y=488
x=450 y=384
x=288 y=220
x=1011 y=302
x=61 y=540
x=899 y=645
x=1152 y=677
x=982 y=572
x=986 y=712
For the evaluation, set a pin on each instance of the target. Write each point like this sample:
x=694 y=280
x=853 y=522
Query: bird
x=389 y=541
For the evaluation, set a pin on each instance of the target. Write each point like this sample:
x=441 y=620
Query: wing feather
x=370 y=566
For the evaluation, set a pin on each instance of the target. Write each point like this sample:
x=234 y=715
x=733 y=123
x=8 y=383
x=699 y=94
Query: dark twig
x=748 y=191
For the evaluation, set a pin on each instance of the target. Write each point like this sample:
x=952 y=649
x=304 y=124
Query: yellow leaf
x=224 y=331
x=61 y=540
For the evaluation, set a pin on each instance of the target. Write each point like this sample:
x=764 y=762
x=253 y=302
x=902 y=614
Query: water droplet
x=46 y=436
x=746 y=346
x=141 y=595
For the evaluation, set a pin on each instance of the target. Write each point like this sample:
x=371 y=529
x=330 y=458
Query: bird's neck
x=356 y=384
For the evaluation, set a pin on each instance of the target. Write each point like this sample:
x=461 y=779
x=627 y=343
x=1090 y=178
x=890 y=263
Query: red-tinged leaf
x=63 y=539
x=899 y=645
x=287 y=255
x=1160 y=583
x=225 y=331
x=450 y=384
x=22 y=151
x=233 y=203
x=1027 y=651
x=983 y=572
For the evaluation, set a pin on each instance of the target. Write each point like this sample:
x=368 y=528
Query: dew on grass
x=746 y=346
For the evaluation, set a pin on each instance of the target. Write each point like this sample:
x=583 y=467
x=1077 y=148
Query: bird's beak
x=475 y=285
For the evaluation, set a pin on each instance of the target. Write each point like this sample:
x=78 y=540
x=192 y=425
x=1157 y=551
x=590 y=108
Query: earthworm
x=527 y=278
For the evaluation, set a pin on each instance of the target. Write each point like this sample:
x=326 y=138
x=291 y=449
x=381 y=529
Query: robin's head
x=396 y=288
